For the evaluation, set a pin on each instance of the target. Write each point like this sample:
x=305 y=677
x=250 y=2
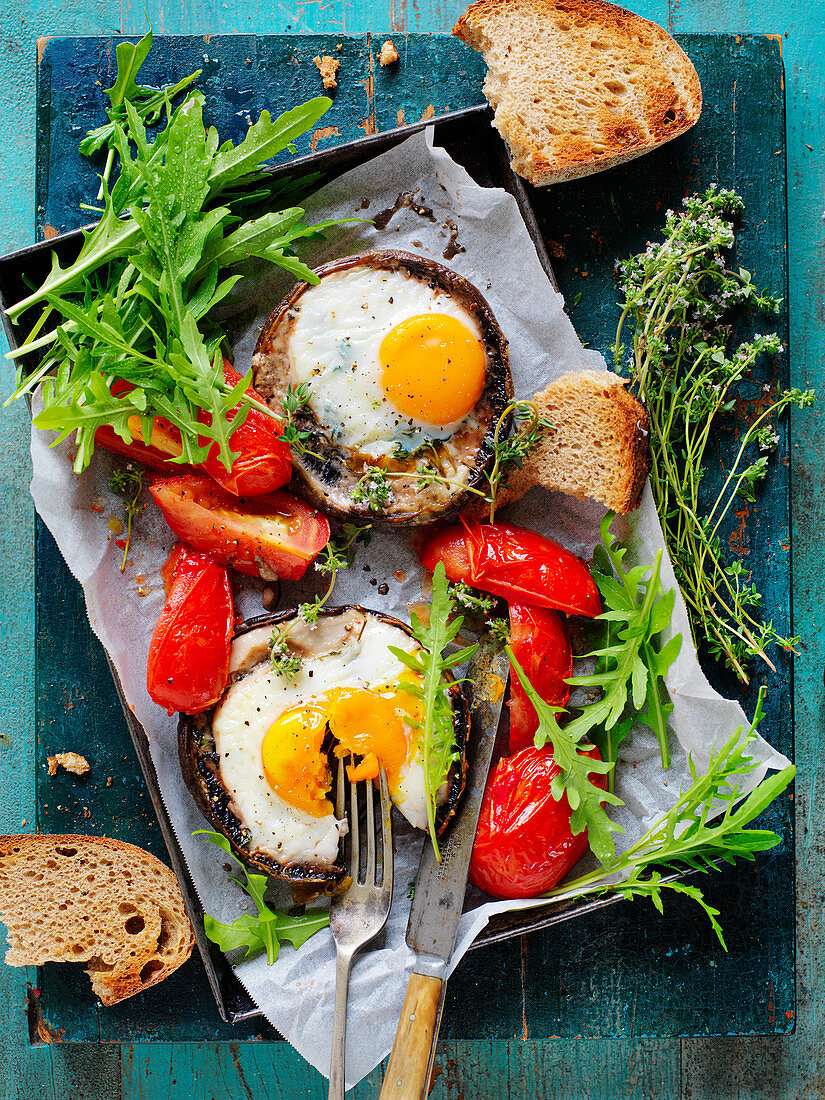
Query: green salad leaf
x=438 y=746
x=270 y=927
x=176 y=231
x=689 y=837
x=630 y=666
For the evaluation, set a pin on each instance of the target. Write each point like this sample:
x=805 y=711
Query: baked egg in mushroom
x=405 y=371
x=259 y=764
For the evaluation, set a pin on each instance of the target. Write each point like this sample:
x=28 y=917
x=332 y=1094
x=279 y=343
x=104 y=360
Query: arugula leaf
x=570 y=753
x=137 y=303
x=439 y=750
x=263 y=140
x=629 y=668
x=269 y=927
x=687 y=838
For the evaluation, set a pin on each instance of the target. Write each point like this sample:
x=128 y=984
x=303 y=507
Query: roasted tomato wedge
x=523 y=844
x=268 y=536
x=541 y=643
x=188 y=664
x=519 y=565
x=263 y=463
x=447 y=544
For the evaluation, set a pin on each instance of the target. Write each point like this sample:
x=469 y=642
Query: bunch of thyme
x=677 y=295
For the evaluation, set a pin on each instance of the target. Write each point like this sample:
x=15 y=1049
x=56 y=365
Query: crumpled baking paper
x=297 y=993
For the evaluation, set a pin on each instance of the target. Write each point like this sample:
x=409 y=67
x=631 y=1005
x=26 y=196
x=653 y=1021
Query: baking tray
x=469 y=138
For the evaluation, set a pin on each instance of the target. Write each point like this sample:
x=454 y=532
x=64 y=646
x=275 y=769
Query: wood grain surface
x=786 y=1066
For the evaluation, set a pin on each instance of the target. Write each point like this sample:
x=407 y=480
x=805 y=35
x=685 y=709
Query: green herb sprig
x=270 y=927
x=629 y=671
x=471 y=600
x=438 y=747
x=372 y=489
x=529 y=427
x=630 y=666
x=127 y=482
x=585 y=798
x=676 y=297
x=688 y=837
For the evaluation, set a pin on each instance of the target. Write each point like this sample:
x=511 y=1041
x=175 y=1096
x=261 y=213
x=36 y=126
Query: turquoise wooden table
x=786 y=1066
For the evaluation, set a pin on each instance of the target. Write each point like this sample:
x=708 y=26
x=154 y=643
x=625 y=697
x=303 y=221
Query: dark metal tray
x=471 y=141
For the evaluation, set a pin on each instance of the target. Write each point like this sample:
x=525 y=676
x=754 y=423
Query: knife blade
x=438 y=898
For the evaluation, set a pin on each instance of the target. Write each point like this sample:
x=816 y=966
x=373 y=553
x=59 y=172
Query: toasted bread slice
x=93 y=900
x=579 y=85
x=597 y=448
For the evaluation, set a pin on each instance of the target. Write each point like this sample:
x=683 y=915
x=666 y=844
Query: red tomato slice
x=447 y=544
x=523 y=844
x=519 y=565
x=541 y=643
x=188 y=664
x=263 y=463
x=268 y=536
x=525 y=567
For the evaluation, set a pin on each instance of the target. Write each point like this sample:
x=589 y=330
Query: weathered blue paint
x=743 y=1068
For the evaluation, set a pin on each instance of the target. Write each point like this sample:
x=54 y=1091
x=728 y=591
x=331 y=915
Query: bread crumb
x=389 y=54
x=328 y=67
x=70 y=761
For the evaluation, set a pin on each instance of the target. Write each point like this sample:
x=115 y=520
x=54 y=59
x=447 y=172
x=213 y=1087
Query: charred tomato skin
x=200 y=768
x=326 y=477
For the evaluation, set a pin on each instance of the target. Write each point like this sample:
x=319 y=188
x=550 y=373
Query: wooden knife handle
x=408 y=1069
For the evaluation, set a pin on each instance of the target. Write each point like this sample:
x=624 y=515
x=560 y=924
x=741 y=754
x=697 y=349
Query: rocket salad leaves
x=270 y=927
x=688 y=837
x=176 y=229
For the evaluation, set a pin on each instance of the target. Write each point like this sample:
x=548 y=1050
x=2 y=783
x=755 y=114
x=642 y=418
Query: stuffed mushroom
x=259 y=764
x=402 y=374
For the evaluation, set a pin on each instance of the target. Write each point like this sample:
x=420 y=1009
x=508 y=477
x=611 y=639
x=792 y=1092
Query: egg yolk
x=294 y=765
x=372 y=726
x=432 y=367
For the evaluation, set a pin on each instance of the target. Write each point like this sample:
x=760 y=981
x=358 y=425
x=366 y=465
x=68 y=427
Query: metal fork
x=359 y=914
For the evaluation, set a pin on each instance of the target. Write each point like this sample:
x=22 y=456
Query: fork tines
x=370 y=867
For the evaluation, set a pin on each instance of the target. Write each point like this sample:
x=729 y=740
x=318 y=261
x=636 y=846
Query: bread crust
x=69 y=898
x=534 y=49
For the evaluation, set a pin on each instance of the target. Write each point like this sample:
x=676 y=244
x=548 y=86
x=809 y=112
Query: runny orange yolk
x=375 y=725
x=432 y=368
x=378 y=724
x=294 y=765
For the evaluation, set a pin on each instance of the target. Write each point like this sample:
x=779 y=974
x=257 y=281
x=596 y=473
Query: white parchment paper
x=297 y=992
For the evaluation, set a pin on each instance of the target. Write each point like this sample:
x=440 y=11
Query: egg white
x=334 y=345
x=254 y=702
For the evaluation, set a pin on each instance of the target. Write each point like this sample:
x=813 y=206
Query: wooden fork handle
x=408 y=1072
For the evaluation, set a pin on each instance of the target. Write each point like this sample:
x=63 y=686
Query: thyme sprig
x=689 y=837
x=510 y=450
x=471 y=600
x=127 y=482
x=676 y=297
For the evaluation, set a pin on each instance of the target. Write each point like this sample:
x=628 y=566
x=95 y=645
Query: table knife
x=438 y=897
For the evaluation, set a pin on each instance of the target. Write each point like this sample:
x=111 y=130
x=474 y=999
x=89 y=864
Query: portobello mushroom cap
x=326 y=472
x=200 y=760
